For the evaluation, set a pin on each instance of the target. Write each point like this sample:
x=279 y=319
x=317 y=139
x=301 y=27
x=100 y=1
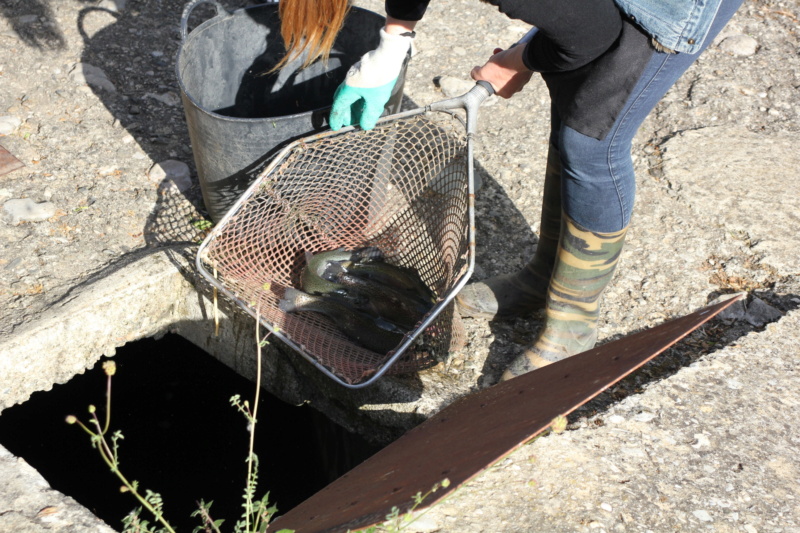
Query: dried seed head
x=110 y=368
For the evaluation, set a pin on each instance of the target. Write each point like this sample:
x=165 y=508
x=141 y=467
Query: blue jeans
x=598 y=184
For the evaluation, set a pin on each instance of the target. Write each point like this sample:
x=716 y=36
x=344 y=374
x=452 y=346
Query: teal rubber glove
x=368 y=86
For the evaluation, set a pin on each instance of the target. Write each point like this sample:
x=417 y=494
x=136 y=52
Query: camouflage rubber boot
x=584 y=265
x=525 y=291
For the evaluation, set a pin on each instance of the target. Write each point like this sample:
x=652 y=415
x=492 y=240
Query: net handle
x=469 y=101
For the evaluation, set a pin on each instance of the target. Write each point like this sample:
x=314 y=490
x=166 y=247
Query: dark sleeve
x=406 y=9
x=571 y=33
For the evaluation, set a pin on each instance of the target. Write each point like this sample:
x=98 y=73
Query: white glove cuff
x=381 y=65
x=393 y=47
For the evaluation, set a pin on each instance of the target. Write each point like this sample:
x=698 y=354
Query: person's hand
x=369 y=83
x=505 y=71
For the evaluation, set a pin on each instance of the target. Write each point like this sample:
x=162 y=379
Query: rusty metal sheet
x=478 y=430
x=8 y=162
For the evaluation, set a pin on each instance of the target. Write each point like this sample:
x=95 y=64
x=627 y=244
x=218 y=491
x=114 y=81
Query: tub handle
x=187 y=11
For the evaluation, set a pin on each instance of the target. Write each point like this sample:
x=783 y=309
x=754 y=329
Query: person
x=606 y=63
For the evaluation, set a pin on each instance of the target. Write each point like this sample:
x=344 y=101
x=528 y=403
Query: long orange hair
x=310 y=25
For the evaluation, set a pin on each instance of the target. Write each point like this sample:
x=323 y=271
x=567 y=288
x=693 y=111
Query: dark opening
x=182 y=437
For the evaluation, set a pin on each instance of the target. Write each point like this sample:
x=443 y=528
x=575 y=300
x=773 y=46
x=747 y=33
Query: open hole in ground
x=182 y=437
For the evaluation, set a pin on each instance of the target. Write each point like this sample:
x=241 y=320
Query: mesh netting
x=402 y=187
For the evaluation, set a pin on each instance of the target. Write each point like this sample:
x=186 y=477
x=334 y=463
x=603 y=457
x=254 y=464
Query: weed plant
x=257 y=512
x=396 y=522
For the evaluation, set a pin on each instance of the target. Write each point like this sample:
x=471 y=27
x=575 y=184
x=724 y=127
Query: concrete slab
x=29 y=505
x=760 y=179
x=140 y=301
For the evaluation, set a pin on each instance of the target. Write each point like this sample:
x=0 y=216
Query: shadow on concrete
x=501 y=227
x=136 y=53
x=34 y=22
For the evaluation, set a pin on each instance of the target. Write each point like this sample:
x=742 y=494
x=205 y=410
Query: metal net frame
x=404 y=187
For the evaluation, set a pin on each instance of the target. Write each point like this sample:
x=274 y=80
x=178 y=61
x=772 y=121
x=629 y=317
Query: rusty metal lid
x=478 y=430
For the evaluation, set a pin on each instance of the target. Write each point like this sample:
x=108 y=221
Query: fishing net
x=401 y=187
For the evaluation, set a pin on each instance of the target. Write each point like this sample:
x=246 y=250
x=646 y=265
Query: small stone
x=616 y=419
x=701 y=441
x=168 y=98
x=606 y=507
x=702 y=515
x=91 y=75
x=633 y=452
x=107 y=171
x=9 y=124
x=26 y=210
x=733 y=384
x=644 y=417
x=171 y=173
x=453 y=87
x=760 y=313
x=739 y=45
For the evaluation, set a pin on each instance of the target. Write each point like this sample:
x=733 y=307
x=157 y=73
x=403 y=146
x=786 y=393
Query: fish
x=311 y=279
x=401 y=278
x=373 y=333
x=394 y=305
